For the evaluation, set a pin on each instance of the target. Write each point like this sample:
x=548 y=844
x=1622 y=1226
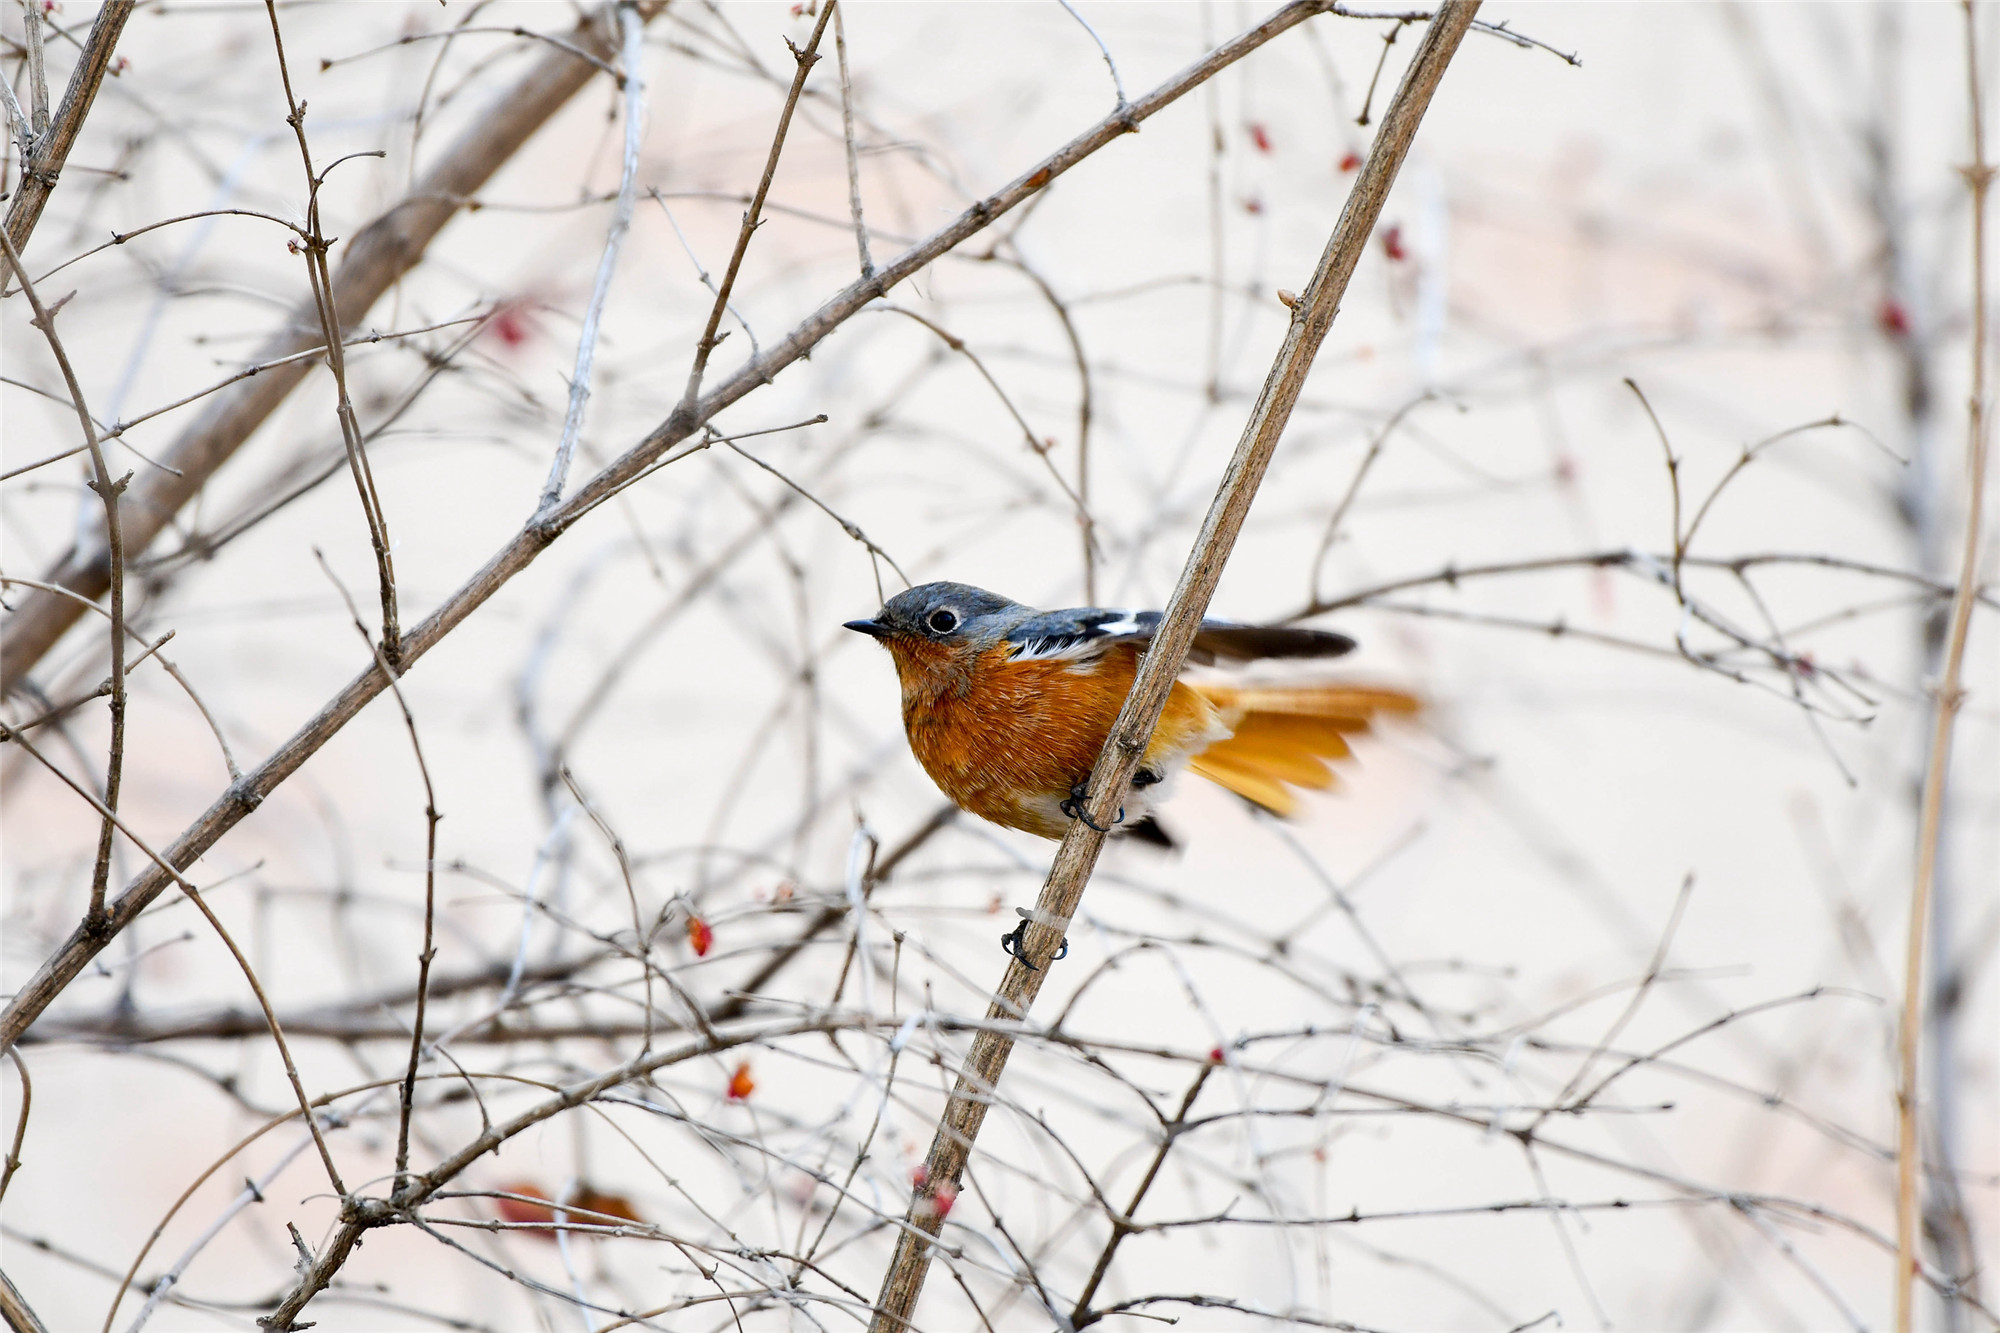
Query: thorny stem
x=1313 y=316
x=805 y=60
x=108 y=492
x=1978 y=179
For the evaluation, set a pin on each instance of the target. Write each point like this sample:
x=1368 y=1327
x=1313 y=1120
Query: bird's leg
x=1015 y=942
x=1073 y=807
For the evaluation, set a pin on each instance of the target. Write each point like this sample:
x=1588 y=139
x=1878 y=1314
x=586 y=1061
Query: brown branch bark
x=1950 y=696
x=379 y=255
x=1312 y=316
x=20 y=1316
x=39 y=173
x=244 y=796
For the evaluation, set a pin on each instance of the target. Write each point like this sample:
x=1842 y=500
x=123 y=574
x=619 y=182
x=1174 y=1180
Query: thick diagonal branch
x=1312 y=316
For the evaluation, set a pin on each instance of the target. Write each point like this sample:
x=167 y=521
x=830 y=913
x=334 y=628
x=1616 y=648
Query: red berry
x=1392 y=242
x=741 y=1085
x=700 y=937
x=1350 y=162
x=1260 y=136
x=1893 y=319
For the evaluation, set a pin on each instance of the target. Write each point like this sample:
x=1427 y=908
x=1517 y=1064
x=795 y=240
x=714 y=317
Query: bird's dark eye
x=944 y=622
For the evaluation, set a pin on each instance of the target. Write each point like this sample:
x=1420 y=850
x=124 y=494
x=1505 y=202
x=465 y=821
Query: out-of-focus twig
x=1949 y=698
x=378 y=255
x=633 y=74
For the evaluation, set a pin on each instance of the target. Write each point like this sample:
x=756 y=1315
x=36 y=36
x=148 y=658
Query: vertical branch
x=431 y=818
x=38 y=78
x=632 y=62
x=20 y=1125
x=1211 y=100
x=108 y=492
x=853 y=156
x=1979 y=179
x=1122 y=1225
x=321 y=279
x=1077 y=857
x=805 y=60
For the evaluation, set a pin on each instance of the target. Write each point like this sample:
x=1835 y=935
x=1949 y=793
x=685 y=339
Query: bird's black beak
x=874 y=629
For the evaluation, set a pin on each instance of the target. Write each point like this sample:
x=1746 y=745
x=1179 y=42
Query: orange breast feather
x=1008 y=739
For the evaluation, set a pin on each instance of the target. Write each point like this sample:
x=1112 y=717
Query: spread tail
x=1285 y=734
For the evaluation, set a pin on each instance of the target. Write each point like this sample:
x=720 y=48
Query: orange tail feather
x=1284 y=736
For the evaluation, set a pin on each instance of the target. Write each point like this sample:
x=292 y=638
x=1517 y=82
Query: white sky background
x=1690 y=208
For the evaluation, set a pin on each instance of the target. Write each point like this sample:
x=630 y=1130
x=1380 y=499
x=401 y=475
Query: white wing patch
x=1056 y=638
x=1052 y=647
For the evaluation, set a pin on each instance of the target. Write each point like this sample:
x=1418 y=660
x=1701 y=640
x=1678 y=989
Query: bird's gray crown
x=949 y=611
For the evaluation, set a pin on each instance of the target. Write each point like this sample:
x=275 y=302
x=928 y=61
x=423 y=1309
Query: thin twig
x=847 y=134
x=753 y=215
x=633 y=61
x=38 y=79
x=1117 y=83
x=850 y=528
x=1949 y=698
x=215 y=922
x=431 y=818
x=315 y=246
x=20 y=1125
x=1122 y=1225
x=108 y=492
x=1040 y=448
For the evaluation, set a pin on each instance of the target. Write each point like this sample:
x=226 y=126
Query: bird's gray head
x=944 y=613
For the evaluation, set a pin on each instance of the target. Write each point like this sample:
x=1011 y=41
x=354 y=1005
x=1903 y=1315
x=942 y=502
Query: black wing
x=1086 y=631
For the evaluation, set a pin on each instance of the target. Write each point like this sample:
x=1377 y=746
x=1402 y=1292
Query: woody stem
x=1312 y=316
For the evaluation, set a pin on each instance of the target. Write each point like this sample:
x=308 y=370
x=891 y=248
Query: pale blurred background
x=1753 y=212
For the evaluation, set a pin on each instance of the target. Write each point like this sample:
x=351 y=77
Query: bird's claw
x=1015 y=943
x=1073 y=807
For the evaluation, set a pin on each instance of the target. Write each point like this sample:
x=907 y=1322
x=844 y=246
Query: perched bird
x=1006 y=707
